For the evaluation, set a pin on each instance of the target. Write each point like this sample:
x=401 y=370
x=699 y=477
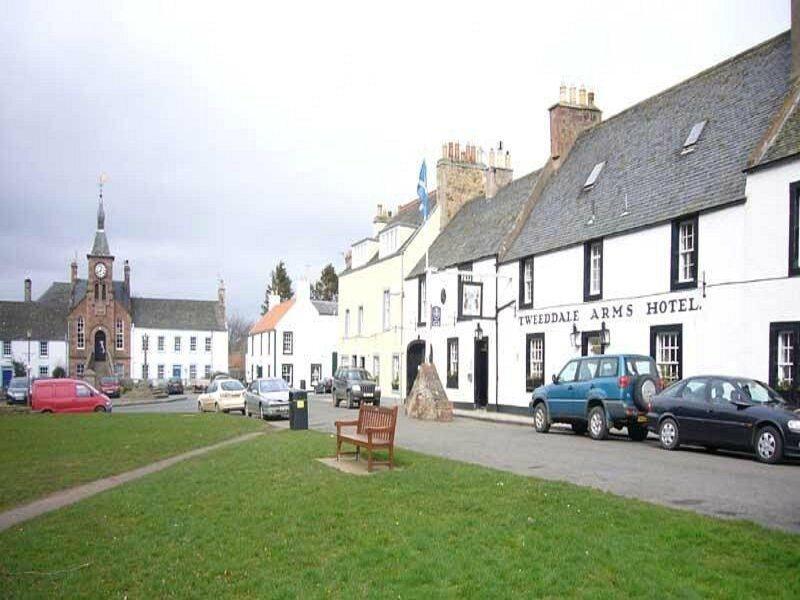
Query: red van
x=67 y=395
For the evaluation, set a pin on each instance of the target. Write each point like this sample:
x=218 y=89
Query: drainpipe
x=496 y=341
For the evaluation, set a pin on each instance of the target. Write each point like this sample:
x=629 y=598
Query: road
x=725 y=485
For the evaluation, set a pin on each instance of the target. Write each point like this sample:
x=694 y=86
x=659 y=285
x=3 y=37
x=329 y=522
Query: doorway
x=590 y=343
x=414 y=357
x=481 y=375
x=100 y=346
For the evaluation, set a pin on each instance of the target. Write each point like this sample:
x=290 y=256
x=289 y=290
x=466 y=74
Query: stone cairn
x=427 y=400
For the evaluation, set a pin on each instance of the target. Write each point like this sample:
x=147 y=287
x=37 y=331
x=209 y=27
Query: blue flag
x=422 y=192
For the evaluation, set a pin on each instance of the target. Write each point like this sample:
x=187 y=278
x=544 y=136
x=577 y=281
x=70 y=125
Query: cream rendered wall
x=365 y=287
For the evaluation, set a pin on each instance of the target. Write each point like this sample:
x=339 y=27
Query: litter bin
x=298 y=412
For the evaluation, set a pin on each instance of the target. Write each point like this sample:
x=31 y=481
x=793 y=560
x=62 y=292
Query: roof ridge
x=172 y=299
x=705 y=72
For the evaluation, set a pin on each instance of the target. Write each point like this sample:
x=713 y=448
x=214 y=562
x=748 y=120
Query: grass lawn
x=44 y=453
x=264 y=519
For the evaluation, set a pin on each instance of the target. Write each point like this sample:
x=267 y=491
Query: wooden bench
x=373 y=429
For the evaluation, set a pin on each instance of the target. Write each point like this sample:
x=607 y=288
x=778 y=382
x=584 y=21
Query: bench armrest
x=340 y=424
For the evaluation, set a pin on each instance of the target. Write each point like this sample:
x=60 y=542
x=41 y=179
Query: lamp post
x=478 y=333
x=145 y=346
x=29 y=333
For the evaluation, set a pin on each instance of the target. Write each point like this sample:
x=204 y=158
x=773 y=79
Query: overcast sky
x=238 y=134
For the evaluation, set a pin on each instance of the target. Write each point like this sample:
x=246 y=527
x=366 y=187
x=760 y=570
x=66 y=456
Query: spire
x=101 y=213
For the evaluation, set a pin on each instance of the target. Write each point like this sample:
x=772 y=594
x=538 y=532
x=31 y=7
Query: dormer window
x=590 y=181
x=694 y=135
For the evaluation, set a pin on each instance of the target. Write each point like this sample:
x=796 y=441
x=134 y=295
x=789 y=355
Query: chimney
x=460 y=176
x=127 y=270
x=499 y=172
x=27 y=289
x=569 y=118
x=221 y=300
x=795 y=35
x=73 y=271
x=380 y=220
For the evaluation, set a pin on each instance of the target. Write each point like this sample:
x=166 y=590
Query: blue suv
x=596 y=393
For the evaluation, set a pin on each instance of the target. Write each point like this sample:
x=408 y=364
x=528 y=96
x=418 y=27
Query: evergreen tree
x=327 y=287
x=280 y=284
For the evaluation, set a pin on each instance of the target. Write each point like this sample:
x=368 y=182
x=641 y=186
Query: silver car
x=268 y=398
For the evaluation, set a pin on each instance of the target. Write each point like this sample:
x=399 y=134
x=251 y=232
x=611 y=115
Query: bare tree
x=238 y=328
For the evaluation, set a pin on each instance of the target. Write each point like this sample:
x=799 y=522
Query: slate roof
x=46 y=322
x=60 y=295
x=642 y=150
x=100 y=245
x=477 y=229
x=786 y=139
x=271 y=318
x=162 y=313
x=325 y=308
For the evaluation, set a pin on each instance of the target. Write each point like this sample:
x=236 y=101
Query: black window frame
x=291 y=343
x=674 y=275
x=657 y=329
x=452 y=380
x=794 y=229
x=587 y=270
x=421 y=280
x=530 y=385
x=792 y=396
x=522 y=262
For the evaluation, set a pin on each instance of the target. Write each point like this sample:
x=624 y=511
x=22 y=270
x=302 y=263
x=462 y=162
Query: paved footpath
x=723 y=485
x=17 y=515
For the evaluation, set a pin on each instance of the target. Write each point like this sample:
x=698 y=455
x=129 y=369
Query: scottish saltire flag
x=422 y=192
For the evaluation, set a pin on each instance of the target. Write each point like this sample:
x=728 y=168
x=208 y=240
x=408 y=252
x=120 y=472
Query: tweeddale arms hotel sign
x=614 y=311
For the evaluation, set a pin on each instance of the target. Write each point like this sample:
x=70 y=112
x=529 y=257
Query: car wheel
x=540 y=422
x=598 y=428
x=47 y=411
x=579 y=428
x=668 y=434
x=769 y=445
x=261 y=411
x=637 y=433
x=99 y=409
x=350 y=400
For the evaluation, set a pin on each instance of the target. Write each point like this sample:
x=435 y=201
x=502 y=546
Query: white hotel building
x=671 y=227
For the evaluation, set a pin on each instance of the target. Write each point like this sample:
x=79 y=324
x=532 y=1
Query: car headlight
x=356 y=387
x=794 y=425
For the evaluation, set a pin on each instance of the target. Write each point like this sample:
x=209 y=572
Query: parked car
x=110 y=386
x=355 y=386
x=174 y=385
x=597 y=393
x=17 y=392
x=223 y=395
x=67 y=395
x=324 y=385
x=270 y=397
x=200 y=385
x=736 y=413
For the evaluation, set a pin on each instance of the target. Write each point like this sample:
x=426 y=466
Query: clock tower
x=100 y=319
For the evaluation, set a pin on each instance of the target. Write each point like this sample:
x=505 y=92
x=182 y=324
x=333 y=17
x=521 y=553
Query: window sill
x=682 y=285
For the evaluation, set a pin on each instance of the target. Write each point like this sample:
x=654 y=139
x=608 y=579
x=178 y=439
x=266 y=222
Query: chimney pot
x=28 y=289
x=73 y=271
x=590 y=98
x=572 y=98
x=562 y=93
x=582 y=96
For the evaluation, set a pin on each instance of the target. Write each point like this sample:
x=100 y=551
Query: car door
x=251 y=396
x=728 y=425
x=585 y=383
x=692 y=410
x=84 y=400
x=336 y=387
x=559 y=397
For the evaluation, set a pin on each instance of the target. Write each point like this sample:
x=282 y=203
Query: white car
x=223 y=395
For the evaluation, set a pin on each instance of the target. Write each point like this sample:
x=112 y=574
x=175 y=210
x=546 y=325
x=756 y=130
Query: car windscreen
x=17 y=382
x=641 y=365
x=231 y=385
x=358 y=374
x=758 y=392
x=274 y=385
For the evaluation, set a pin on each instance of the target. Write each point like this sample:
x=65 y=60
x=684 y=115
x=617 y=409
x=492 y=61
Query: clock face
x=100 y=270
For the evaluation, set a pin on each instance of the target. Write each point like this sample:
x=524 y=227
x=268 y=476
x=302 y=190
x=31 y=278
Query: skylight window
x=594 y=175
x=694 y=135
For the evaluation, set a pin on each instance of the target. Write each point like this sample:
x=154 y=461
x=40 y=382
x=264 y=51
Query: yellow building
x=370 y=325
